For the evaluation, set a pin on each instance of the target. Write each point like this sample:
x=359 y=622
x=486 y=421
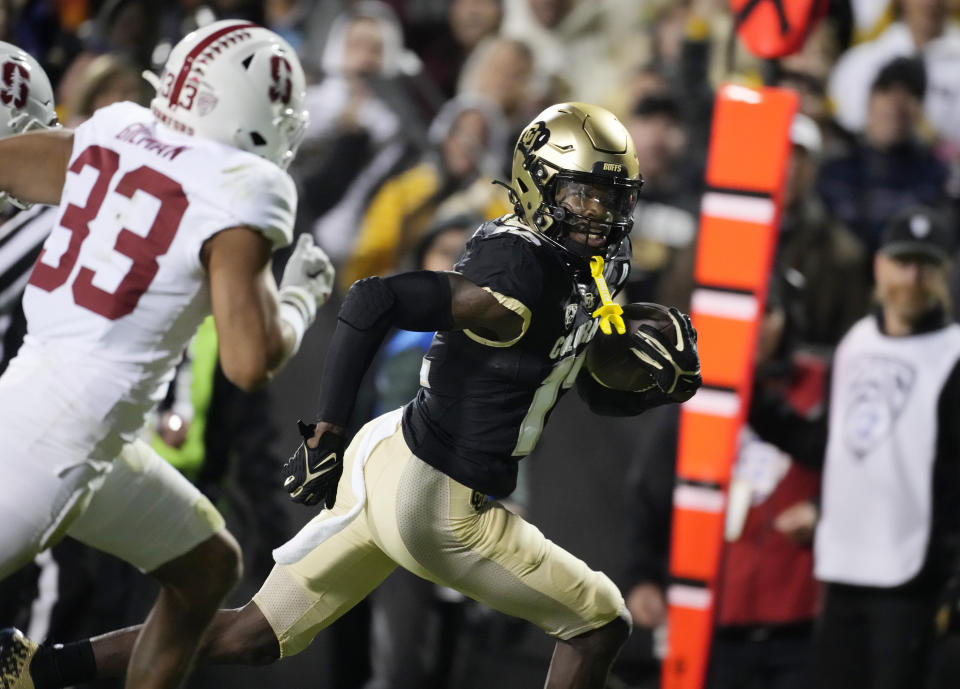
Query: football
x=609 y=358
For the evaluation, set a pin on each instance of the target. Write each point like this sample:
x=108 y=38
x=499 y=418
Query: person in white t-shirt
x=886 y=542
x=924 y=29
x=165 y=215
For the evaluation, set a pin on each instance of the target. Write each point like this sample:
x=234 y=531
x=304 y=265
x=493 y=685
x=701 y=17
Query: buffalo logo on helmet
x=16 y=84
x=535 y=136
x=576 y=180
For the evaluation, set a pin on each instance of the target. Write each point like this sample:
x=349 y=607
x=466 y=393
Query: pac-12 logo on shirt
x=282 y=86
x=16 y=84
x=879 y=390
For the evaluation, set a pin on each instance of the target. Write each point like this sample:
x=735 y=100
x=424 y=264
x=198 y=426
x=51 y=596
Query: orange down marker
x=739 y=217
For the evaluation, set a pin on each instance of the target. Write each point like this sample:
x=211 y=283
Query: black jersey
x=482 y=404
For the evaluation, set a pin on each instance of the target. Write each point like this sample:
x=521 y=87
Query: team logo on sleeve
x=478 y=500
x=16 y=84
x=879 y=390
x=282 y=86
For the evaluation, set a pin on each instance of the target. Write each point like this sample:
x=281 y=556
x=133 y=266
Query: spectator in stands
x=502 y=71
x=823 y=253
x=889 y=167
x=587 y=48
x=356 y=137
x=288 y=18
x=924 y=29
x=467 y=140
x=448 y=45
x=128 y=28
x=814 y=249
x=647 y=79
x=887 y=540
x=812 y=102
x=104 y=80
x=767 y=598
x=870 y=18
x=806 y=73
x=666 y=216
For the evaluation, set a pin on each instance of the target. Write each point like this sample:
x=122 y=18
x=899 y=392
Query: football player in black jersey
x=418 y=486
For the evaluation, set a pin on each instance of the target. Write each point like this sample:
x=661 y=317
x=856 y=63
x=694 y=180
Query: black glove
x=311 y=474
x=674 y=368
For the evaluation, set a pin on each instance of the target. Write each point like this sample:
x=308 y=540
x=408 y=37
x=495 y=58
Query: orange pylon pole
x=739 y=217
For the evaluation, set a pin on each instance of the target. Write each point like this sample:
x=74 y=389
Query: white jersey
x=877 y=500
x=119 y=288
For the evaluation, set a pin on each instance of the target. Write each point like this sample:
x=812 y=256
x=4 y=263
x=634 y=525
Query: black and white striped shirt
x=21 y=240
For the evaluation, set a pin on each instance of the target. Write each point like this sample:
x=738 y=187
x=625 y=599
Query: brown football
x=609 y=358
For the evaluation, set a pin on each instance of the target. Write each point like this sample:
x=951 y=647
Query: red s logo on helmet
x=282 y=85
x=16 y=84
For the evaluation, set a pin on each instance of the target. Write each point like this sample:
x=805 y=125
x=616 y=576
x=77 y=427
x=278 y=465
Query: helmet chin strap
x=513 y=196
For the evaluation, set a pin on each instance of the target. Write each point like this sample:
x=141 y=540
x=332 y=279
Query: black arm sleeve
x=607 y=402
x=944 y=548
x=773 y=419
x=418 y=301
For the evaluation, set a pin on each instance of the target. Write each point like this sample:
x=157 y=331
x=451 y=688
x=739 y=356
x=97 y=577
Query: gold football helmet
x=576 y=178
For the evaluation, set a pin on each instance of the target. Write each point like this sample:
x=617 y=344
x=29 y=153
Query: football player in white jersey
x=165 y=215
x=26 y=104
x=26 y=97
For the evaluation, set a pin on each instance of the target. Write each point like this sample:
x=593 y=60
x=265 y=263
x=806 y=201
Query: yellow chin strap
x=609 y=312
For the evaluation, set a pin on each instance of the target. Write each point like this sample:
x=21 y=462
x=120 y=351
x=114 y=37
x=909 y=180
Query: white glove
x=308 y=277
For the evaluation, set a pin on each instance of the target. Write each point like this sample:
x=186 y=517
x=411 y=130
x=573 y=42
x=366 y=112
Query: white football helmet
x=26 y=97
x=236 y=83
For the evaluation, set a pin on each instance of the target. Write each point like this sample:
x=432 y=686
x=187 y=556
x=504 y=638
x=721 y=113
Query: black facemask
x=590 y=217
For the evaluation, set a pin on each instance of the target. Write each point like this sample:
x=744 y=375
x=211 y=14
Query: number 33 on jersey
x=121 y=272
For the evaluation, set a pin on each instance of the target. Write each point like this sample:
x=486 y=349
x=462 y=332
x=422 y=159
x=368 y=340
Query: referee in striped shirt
x=21 y=240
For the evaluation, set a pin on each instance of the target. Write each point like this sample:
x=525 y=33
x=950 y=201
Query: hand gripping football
x=609 y=357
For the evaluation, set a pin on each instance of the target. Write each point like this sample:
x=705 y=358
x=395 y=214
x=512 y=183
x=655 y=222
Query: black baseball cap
x=918 y=231
x=909 y=72
x=662 y=103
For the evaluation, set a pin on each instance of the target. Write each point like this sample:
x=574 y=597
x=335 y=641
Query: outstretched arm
x=420 y=301
x=33 y=166
x=259 y=327
x=252 y=340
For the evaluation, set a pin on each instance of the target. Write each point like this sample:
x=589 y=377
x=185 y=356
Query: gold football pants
x=417 y=517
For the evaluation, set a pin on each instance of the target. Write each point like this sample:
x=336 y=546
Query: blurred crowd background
x=414 y=108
